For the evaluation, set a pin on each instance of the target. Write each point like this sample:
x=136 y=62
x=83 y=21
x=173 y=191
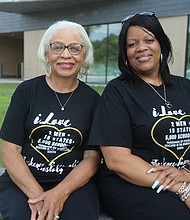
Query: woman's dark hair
x=152 y=24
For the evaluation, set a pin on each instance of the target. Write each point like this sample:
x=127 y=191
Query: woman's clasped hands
x=172 y=179
x=167 y=178
x=49 y=203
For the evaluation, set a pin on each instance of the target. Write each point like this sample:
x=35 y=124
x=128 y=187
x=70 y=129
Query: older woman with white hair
x=49 y=165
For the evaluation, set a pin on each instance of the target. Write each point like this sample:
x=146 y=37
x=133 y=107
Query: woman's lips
x=144 y=58
x=66 y=65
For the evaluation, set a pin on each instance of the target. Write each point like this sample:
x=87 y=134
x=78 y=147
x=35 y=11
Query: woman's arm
x=134 y=170
x=174 y=180
x=20 y=174
x=82 y=173
x=128 y=166
x=55 y=198
x=18 y=170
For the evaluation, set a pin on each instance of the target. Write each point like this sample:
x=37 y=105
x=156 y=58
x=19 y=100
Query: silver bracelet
x=181 y=189
x=186 y=193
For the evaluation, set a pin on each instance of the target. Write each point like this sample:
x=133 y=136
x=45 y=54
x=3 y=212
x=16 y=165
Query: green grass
x=6 y=91
x=99 y=89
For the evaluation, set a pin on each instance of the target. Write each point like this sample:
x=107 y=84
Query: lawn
x=6 y=91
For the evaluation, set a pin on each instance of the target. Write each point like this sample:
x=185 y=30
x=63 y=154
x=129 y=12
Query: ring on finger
x=56 y=216
x=172 y=175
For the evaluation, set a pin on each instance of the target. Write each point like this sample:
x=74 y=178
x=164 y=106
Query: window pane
x=188 y=53
x=98 y=37
x=112 y=68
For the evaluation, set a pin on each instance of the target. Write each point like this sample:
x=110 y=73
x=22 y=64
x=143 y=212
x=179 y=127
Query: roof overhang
x=30 y=6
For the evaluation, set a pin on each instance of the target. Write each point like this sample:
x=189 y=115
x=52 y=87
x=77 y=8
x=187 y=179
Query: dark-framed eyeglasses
x=147 y=13
x=59 y=47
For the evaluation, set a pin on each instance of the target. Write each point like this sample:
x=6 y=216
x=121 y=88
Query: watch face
x=187 y=167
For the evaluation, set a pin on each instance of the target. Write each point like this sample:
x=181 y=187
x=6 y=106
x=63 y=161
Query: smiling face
x=143 y=51
x=64 y=63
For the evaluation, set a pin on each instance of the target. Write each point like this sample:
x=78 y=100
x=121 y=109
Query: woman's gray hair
x=52 y=30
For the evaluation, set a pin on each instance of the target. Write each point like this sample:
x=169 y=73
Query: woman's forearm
x=18 y=170
x=128 y=166
x=82 y=173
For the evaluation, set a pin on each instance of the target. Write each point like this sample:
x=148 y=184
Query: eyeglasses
x=59 y=47
x=147 y=13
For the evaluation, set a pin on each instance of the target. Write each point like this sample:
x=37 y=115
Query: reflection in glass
x=188 y=54
x=104 y=39
x=98 y=37
x=112 y=67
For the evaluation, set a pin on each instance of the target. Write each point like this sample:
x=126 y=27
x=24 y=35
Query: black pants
x=125 y=201
x=83 y=204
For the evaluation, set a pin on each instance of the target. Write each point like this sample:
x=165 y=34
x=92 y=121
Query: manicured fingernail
x=167 y=187
x=153 y=163
x=151 y=170
x=155 y=184
x=160 y=189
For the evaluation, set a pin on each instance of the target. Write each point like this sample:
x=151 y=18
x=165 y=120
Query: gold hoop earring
x=161 y=58
x=48 y=70
x=82 y=71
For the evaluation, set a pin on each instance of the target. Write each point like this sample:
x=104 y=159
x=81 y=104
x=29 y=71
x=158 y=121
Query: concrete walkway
x=11 y=80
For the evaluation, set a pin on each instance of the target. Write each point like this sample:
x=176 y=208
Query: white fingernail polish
x=153 y=163
x=155 y=184
x=151 y=170
x=167 y=187
x=160 y=189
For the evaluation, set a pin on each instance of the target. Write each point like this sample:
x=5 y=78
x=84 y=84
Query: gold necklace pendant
x=167 y=103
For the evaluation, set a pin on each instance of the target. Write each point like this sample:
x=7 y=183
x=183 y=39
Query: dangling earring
x=161 y=58
x=83 y=71
x=126 y=63
x=48 y=70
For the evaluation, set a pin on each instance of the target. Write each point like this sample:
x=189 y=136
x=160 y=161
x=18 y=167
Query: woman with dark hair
x=142 y=125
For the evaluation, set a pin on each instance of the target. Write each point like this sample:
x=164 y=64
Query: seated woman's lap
x=125 y=201
x=83 y=204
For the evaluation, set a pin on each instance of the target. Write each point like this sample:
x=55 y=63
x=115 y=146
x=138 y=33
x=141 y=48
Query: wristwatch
x=186 y=167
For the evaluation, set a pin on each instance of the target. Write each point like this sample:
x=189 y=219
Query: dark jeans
x=125 y=201
x=83 y=204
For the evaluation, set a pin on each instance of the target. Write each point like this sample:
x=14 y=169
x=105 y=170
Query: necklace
x=167 y=103
x=63 y=106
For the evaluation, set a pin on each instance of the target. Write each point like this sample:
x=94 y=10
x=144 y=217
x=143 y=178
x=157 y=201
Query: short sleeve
x=13 y=127
x=111 y=126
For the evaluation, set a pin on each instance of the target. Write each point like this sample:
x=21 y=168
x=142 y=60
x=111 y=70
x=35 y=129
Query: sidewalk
x=10 y=80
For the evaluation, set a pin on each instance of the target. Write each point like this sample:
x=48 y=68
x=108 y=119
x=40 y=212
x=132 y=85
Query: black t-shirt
x=135 y=117
x=52 y=140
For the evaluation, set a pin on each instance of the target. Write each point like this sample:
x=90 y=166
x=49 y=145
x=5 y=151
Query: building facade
x=22 y=24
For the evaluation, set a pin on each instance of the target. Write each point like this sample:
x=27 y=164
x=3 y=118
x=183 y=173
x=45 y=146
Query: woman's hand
x=51 y=202
x=35 y=209
x=169 y=176
x=54 y=199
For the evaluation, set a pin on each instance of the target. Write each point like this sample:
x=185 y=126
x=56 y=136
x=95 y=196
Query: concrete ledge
x=2 y=170
x=103 y=215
